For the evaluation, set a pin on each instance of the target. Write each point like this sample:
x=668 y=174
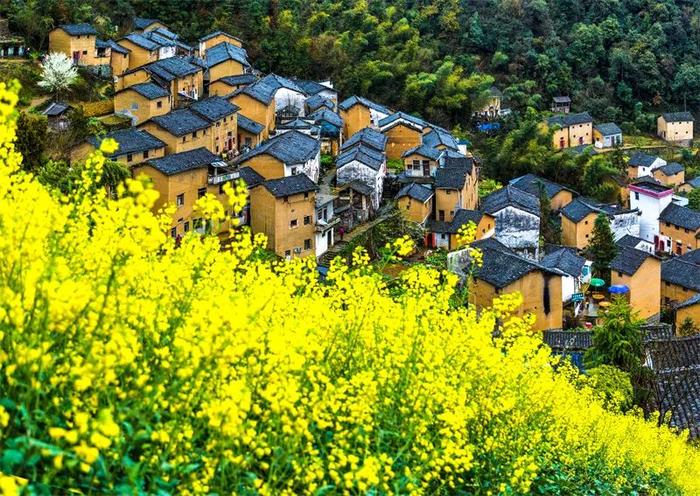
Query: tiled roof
x=566 y=260
x=693 y=183
x=651 y=184
x=327 y=115
x=641 y=159
x=184 y=161
x=55 y=108
x=249 y=125
x=511 y=197
x=239 y=79
x=629 y=260
x=116 y=47
x=402 y=116
x=299 y=123
x=671 y=169
x=250 y=177
x=81 y=29
x=450 y=177
x=501 y=266
x=608 y=128
x=130 y=140
x=461 y=217
x=318 y=101
x=678 y=116
x=166 y=32
x=565 y=120
x=180 y=122
x=143 y=23
x=630 y=241
x=214 y=108
x=580 y=207
x=149 y=90
x=264 y=90
x=693 y=300
x=290 y=185
x=363 y=154
x=312 y=87
x=159 y=39
x=217 y=33
x=369 y=137
x=142 y=41
x=561 y=99
x=426 y=151
x=682 y=271
x=459 y=161
x=291 y=147
x=562 y=341
x=172 y=68
x=684 y=217
x=437 y=137
x=415 y=191
x=359 y=100
x=530 y=183
x=226 y=51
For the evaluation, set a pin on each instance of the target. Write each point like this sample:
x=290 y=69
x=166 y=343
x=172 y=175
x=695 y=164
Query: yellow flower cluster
x=129 y=366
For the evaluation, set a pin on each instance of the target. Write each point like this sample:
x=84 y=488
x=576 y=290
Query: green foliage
x=32 y=138
x=694 y=199
x=395 y=165
x=549 y=230
x=602 y=249
x=488 y=186
x=614 y=387
x=688 y=327
x=618 y=341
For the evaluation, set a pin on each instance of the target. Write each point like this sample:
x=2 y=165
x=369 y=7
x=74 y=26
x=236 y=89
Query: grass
x=27 y=73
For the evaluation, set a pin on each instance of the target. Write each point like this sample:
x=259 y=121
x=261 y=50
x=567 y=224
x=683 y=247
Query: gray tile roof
x=580 y=207
x=299 y=124
x=368 y=137
x=678 y=116
x=402 y=116
x=82 y=29
x=290 y=185
x=350 y=102
x=651 y=184
x=151 y=91
x=166 y=32
x=171 y=68
x=694 y=183
x=250 y=177
x=264 y=90
x=641 y=159
x=437 y=137
x=116 y=47
x=239 y=79
x=682 y=271
x=671 y=168
x=55 y=109
x=416 y=192
x=327 y=115
x=424 y=150
x=291 y=147
x=217 y=33
x=142 y=42
x=561 y=99
x=180 y=122
x=566 y=260
x=511 y=197
x=318 y=101
x=684 y=217
x=130 y=140
x=143 y=23
x=629 y=241
x=502 y=267
x=363 y=154
x=450 y=177
x=312 y=87
x=184 y=161
x=159 y=39
x=565 y=120
x=563 y=341
x=458 y=160
x=249 y=125
x=226 y=51
x=214 y=108
x=530 y=183
x=461 y=217
x=608 y=128
x=629 y=260
x=693 y=300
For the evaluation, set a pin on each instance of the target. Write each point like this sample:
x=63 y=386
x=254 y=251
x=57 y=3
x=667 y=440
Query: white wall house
x=517 y=219
x=325 y=223
x=360 y=163
x=645 y=164
x=650 y=199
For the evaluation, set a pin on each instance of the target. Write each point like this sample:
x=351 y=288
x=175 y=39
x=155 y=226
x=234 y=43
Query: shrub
x=130 y=366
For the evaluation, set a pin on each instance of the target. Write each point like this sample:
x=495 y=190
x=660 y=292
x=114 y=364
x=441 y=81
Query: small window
x=187 y=226
x=307 y=244
x=134 y=106
x=201 y=192
x=619 y=274
x=307 y=220
x=184 y=138
x=293 y=223
x=159 y=104
x=287 y=253
x=145 y=154
x=129 y=157
x=636 y=195
x=180 y=200
x=84 y=52
x=668 y=224
x=173 y=232
x=194 y=135
x=306 y=196
x=295 y=171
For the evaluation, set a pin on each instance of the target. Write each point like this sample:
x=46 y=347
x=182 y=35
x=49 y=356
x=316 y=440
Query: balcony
x=325 y=225
x=220 y=172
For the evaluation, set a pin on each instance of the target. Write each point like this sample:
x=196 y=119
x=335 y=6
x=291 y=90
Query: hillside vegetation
x=133 y=367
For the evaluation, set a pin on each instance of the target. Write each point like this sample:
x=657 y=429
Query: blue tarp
x=488 y=126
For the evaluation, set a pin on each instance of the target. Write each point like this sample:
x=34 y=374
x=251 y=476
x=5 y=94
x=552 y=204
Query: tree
x=688 y=327
x=58 y=73
x=32 y=138
x=694 y=199
x=549 y=231
x=613 y=386
x=602 y=249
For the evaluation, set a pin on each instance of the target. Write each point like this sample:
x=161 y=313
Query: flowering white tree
x=58 y=73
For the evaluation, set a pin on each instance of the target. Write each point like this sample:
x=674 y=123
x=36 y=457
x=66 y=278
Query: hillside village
x=321 y=167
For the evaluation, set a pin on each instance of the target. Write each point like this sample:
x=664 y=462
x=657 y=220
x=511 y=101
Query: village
x=320 y=167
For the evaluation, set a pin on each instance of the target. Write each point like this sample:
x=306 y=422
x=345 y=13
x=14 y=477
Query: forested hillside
x=435 y=57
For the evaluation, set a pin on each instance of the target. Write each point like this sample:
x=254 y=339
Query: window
x=619 y=274
x=636 y=195
x=184 y=138
x=134 y=106
x=159 y=104
x=585 y=222
x=173 y=232
x=295 y=171
x=187 y=226
x=218 y=124
x=84 y=52
x=668 y=224
x=194 y=135
x=307 y=220
x=306 y=196
x=201 y=192
x=293 y=223
x=307 y=244
x=287 y=253
x=129 y=157
x=145 y=154
x=447 y=191
x=180 y=200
